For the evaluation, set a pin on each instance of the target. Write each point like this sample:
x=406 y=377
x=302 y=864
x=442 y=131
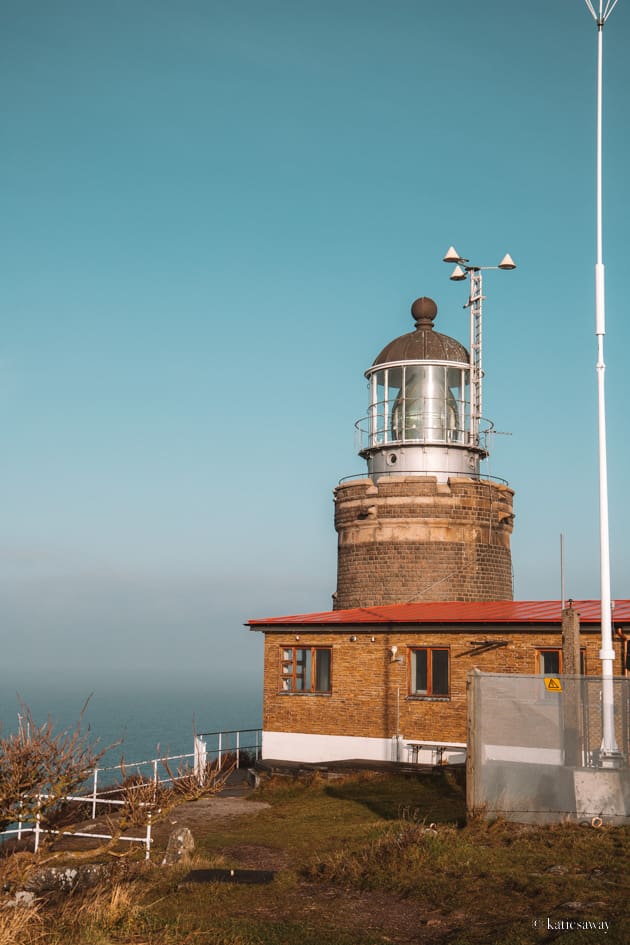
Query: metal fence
x=34 y=828
x=385 y=473
x=244 y=745
x=534 y=748
x=101 y=787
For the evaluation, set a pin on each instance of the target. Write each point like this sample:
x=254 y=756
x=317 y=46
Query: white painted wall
x=540 y=756
x=299 y=746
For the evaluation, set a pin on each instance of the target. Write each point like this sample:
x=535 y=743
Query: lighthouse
x=424 y=523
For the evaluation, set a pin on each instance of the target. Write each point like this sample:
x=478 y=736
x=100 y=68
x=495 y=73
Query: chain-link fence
x=534 y=748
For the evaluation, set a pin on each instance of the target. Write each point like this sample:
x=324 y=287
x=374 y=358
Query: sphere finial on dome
x=424 y=311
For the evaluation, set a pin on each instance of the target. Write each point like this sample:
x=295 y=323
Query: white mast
x=609 y=750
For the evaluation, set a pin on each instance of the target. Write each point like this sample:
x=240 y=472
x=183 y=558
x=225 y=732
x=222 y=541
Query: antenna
x=465 y=269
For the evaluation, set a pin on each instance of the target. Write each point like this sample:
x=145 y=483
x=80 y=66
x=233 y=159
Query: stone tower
x=424 y=524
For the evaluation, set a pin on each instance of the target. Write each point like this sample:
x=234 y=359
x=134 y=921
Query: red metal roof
x=477 y=612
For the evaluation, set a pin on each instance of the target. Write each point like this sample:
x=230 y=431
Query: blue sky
x=214 y=216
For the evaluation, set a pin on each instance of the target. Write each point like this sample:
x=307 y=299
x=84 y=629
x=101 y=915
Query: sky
x=214 y=216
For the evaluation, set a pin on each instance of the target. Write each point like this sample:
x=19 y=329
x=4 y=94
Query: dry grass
x=21 y=925
x=359 y=865
x=500 y=876
x=101 y=910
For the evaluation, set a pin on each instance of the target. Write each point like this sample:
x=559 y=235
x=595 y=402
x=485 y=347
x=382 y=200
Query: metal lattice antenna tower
x=476 y=350
x=464 y=268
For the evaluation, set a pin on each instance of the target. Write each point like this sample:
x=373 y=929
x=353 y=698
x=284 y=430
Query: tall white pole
x=562 y=569
x=609 y=749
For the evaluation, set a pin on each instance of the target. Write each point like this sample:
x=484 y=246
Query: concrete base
x=527 y=793
x=545 y=793
x=602 y=793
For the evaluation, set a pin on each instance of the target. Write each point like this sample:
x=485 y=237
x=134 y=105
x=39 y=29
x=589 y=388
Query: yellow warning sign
x=552 y=684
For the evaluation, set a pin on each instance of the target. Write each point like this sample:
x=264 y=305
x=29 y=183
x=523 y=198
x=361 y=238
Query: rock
x=22 y=898
x=68 y=877
x=180 y=845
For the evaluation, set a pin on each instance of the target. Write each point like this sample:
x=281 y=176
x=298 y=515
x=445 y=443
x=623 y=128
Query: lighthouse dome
x=423 y=344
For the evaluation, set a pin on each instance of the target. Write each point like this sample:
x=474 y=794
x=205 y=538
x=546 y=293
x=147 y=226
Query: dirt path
x=197 y=815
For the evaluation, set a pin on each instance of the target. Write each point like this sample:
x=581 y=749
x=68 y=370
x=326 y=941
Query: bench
x=437 y=751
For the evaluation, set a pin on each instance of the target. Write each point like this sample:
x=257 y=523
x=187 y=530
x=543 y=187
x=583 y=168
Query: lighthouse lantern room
x=419 y=419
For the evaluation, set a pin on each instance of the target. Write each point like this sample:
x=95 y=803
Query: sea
x=135 y=719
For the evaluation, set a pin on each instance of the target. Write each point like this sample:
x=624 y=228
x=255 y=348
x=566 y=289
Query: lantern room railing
x=426 y=473
x=419 y=422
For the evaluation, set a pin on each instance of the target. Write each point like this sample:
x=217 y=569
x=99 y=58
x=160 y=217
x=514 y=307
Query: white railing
x=159 y=771
x=37 y=830
x=231 y=742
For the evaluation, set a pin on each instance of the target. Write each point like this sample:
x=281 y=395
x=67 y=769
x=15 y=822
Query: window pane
x=392 y=395
x=305 y=669
x=457 y=407
x=379 y=410
x=420 y=671
x=439 y=674
x=550 y=662
x=420 y=409
x=322 y=670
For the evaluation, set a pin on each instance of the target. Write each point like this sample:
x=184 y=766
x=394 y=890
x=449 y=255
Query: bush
x=39 y=767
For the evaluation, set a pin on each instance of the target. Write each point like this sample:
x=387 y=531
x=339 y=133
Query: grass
x=360 y=865
x=452 y=869
x=20 y=925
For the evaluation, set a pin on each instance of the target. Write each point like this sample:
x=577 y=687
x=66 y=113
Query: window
x=305 y=669
x=429 y=672
x=420 y=401
x=549 y=661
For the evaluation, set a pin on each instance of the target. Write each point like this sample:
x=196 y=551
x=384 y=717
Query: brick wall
x=365 y=681
x=412 y=538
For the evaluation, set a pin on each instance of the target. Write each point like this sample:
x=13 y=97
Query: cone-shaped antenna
x=452 y=255
x=457 y=274
x=507 y=262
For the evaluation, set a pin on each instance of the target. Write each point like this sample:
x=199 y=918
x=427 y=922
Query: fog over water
x=151 y=717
